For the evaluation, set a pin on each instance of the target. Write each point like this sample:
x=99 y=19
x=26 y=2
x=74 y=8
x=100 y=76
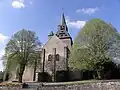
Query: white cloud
x=75 y=24
x=2 y=38
x=88 y=11
x=2 y=52
x=18 y=4
x=1 y=66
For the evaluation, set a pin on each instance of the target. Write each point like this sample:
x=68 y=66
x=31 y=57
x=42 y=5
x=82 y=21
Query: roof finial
x=62 y=10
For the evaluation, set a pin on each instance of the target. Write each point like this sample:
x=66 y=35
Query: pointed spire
x=63 y=22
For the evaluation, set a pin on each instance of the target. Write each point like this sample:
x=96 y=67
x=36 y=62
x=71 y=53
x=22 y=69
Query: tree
x=91 y=46
x=1 y=76
x=22 y=50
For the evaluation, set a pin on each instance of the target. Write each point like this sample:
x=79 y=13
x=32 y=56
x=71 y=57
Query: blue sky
x=43 y=16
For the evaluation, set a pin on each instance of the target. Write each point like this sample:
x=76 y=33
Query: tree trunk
x=99 y=74
x=21 y=71
x=94 y=74
x=20 y=78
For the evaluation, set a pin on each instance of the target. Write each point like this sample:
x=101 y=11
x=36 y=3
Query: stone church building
x=58 y=45
x=54 y=54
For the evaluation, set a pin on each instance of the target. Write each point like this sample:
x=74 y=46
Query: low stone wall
x=80 y=85
x=101 y=85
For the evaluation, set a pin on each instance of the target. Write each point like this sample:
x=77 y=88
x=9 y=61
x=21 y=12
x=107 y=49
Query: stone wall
x=105 y=85
x=27 y=76
x=81 y=85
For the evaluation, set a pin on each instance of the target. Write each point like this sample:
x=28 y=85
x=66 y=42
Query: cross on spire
x=63 y=22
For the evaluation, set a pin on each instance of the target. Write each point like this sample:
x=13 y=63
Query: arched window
x=50 y=57
x=57 y=57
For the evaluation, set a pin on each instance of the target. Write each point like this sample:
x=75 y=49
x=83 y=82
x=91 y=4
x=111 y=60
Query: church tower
x=63 y=33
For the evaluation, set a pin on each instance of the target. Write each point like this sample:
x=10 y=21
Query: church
x=56 y=49
x=54 y=57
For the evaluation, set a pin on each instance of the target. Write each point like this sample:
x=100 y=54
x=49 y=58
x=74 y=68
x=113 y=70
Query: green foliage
x=21 y=50
x=91 y=46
